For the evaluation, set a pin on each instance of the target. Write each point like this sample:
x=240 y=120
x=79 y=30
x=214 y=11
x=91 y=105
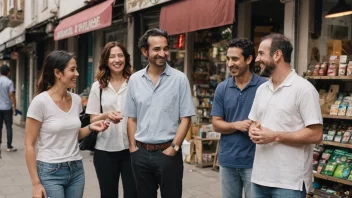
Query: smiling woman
x=53 y=124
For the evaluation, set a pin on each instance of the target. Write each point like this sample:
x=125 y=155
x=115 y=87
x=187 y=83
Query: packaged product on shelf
x=339 y=99
x=323 y=69
x=331 y=135
x=342 y=171
x=334 y=109
x=342 y=110
x=338 y=137
x=349 y=68
x=316 y=69
x=349 y=111
x=346 y=136
x=350 y=177
x=327 y=154
x=338 y=156
x=343 y=59
x=342 y=69
x=329 y=168
x=332 y=71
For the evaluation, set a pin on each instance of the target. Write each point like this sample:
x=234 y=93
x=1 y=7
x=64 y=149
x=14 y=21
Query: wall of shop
x=39 y=11
x=67 y=7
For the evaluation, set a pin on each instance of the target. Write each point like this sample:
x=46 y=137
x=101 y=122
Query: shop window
x=10 y=5
x=334 y=42
x=1 y=8
x=45 y=4
x=209 y=67
x=177 y=51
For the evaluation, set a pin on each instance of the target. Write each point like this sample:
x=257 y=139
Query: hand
x=242 y=125
x=170 y=151
x=133 y=149
x=38 y=191
x=262 y=135
x=114 y=117
x=100 y=126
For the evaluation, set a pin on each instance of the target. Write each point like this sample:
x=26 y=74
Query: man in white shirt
x=286 y=122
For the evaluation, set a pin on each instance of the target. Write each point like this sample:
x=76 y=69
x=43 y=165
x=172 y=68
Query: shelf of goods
x=206 y=151
x=335 y=164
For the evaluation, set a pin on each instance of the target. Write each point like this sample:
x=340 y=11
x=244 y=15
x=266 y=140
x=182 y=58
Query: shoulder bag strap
x=101 y=107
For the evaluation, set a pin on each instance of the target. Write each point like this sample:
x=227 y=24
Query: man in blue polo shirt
x=231 y=106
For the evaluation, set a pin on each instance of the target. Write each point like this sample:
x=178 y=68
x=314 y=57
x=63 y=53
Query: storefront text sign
x=135 y=5
x=94 y=18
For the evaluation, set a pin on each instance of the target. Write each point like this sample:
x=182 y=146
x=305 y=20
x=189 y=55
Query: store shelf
x=337 y=117
x=337 y=144
x=200 y=107
x=329 y=77
x=325 y=177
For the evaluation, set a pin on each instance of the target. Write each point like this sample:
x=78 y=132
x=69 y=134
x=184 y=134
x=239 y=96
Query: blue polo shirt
x=232 y=104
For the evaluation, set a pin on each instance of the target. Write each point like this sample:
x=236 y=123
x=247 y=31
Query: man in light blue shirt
x=159 y=107
x=7 y=105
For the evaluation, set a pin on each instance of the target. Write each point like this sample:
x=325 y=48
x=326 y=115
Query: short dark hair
x=5 y=70
x=247 y=49
x=280 y=42
x=143 y=41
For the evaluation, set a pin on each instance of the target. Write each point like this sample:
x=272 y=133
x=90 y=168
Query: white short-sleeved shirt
x=293 y=106
x=115 y=137
x=58 y=135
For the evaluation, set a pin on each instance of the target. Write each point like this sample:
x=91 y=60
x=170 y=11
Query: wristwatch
x=175 y=147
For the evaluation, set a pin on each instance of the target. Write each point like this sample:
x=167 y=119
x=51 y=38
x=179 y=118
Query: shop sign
x=79 y=28
x=135 y=5
x=14 y=55
x=15 y=41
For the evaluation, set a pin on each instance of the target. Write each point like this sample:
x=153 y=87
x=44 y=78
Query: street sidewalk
x=15 y=181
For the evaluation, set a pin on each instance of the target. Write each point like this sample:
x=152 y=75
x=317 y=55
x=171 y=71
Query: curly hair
x=247 y=49
x=280 y=42
x=143 y=41
x=103 y=75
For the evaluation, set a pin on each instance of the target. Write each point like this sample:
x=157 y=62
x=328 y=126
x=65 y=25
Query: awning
x=191 y=15
x=93 y=18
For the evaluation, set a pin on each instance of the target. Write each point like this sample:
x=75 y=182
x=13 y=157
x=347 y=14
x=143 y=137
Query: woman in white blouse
x=53 y=124
x=111 y=155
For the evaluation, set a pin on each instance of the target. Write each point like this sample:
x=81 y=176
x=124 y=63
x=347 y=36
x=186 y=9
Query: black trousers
x=153 y=169
x=109 y=166
x=6 y=115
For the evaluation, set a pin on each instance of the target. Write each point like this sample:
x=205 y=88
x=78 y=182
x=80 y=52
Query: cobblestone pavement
x=15 y=181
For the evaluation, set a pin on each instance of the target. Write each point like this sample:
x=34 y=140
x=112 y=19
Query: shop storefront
x=81 y=28
x=327 y=64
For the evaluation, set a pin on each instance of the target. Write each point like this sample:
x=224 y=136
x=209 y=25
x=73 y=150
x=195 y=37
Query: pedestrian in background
x=111 y=155
x=53 y=119
x=159 y=108
x=286 y=122
x=233 y=100
x=7 y=105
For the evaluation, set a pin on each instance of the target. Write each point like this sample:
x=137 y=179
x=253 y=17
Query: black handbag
x=88 y=143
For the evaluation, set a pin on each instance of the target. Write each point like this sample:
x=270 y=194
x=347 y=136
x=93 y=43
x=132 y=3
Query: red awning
x=93 y=18
x=191 y=15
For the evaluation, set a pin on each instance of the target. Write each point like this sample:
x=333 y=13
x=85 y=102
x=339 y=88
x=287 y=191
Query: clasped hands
x=113 y=116
x=262 y=135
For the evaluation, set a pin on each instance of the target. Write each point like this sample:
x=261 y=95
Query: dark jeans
x=109 y=166
x=153 y=169
x=6 y=115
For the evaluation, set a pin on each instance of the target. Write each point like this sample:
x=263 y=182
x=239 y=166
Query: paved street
x=15 y=181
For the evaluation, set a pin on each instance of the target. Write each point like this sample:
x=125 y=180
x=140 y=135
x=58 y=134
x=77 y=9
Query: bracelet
x=89 y=128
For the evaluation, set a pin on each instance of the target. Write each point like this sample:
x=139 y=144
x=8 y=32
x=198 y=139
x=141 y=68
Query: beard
x=268 y=70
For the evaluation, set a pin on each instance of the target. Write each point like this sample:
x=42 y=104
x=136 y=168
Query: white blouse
x=115 y=137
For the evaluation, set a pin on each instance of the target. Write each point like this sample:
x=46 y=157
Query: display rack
x=331 y=144
x=206 y=150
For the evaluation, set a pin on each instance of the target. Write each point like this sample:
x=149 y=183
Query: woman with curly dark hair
x=111 y=155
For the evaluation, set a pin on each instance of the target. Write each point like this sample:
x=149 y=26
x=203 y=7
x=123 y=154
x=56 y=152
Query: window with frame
x=45 y=4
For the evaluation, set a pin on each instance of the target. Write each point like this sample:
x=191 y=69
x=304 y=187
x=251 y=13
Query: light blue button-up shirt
x=158 y=108
x=6 y=86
